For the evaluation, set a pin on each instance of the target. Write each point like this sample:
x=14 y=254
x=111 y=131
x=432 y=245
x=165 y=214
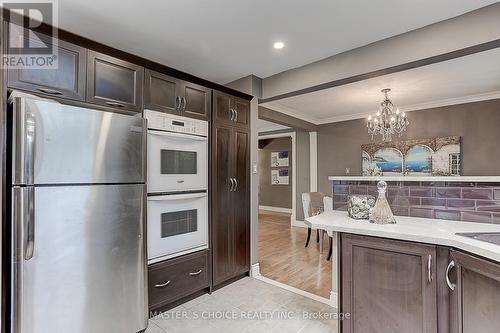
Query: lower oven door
x=177 y=224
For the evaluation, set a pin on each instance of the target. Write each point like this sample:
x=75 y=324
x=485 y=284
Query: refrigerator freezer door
x=87 y=272
x=60 y=144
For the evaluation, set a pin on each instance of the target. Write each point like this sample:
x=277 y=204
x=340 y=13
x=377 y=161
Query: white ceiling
x=265 y=126
x=467 y=79
x=223 y=40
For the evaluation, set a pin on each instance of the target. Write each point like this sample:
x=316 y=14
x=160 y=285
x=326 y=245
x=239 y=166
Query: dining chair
x=312 y=204
x=328 y=205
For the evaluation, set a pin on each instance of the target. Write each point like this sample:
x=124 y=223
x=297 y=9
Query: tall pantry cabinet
x=230 y=187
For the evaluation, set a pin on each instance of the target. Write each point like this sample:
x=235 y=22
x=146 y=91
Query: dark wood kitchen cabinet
x=195 y=100
x=170 y=95
x=242 y=110
x=161 y=92
x=66 y=80
x=171 y=280
x=231 y=205
x=475 y=294
x=114 y=82
x=241 y=201
x=388 y=286
x=231 y=110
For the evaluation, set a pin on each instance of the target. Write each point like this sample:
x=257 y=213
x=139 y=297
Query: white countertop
x=474 y=179
x=415 y=229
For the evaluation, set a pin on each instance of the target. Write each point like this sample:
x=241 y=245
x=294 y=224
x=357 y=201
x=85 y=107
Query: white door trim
x=313 y=162
x=292 y=135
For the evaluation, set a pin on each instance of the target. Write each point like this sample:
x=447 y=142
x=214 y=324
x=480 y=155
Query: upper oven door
x=176 y=162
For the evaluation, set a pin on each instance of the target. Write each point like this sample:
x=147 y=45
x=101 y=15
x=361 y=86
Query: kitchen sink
x=489 y=237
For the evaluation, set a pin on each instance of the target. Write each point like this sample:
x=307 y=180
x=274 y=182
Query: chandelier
x=386 y=122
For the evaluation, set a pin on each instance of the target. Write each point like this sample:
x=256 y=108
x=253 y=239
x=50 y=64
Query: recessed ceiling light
x=279 y=45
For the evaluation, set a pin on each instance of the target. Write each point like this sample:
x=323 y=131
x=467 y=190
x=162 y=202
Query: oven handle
x=178 y=135
x=172 y=197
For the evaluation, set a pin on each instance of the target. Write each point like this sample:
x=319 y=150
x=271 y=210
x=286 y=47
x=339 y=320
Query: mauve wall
x=471 y=202
x=339 y=144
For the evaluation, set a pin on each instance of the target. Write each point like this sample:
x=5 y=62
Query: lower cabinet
x=397 y=286
x=475 y=294
x=388 y=286
x=171 y=280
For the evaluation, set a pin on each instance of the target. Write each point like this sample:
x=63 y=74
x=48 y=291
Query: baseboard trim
x=276 y=209
x=255 y=270
x=295 y=290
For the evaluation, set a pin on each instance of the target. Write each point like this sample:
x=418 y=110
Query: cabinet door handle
x=236 y=115
x=231 y=117
x=196 y=273
x=50 y=91
x=451 y=285
x=162 y=285
x=177 y=103
x=235 y=184
x=429 y=268
x=231 y=184
x=115 y=104
x=183 y=104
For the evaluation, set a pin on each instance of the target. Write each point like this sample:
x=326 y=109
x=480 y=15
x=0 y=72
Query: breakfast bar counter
x=414 y=229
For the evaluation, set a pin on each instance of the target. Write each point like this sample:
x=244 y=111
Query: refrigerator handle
x=24 y=144
x=29 y=156
x=29 y=223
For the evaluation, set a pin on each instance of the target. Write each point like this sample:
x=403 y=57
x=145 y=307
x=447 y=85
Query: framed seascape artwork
x=421 y=157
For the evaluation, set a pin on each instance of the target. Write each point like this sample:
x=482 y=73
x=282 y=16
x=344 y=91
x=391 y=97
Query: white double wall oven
x=177 y=185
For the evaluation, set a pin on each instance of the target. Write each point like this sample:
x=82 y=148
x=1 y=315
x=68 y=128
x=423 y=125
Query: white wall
x=470 y=29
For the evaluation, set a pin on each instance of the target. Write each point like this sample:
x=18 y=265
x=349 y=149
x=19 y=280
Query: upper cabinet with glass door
x=114 y=82
x=65 y=79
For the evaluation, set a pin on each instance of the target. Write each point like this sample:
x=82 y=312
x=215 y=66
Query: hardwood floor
x=283 y=257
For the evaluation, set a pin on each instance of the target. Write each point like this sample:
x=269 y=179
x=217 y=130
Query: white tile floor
x=248 y=305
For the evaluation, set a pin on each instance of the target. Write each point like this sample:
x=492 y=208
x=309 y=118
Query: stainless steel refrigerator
x=78 y=212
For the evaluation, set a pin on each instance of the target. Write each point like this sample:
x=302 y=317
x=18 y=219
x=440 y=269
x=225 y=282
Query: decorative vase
x=381 y=212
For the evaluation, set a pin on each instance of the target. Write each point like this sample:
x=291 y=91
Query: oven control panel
x=177 y=124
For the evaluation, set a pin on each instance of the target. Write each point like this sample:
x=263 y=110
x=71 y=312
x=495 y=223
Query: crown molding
x=407 y=108
x=452 y=101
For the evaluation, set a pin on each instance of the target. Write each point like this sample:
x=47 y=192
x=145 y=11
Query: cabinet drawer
x=67 y=80
x=114 y=82
x=173 y=279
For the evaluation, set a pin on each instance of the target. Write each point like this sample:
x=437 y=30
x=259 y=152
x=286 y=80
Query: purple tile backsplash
x=477 y=193
x=470 y=202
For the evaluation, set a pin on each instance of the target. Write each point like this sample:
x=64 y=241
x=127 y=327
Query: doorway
x=283 y=258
